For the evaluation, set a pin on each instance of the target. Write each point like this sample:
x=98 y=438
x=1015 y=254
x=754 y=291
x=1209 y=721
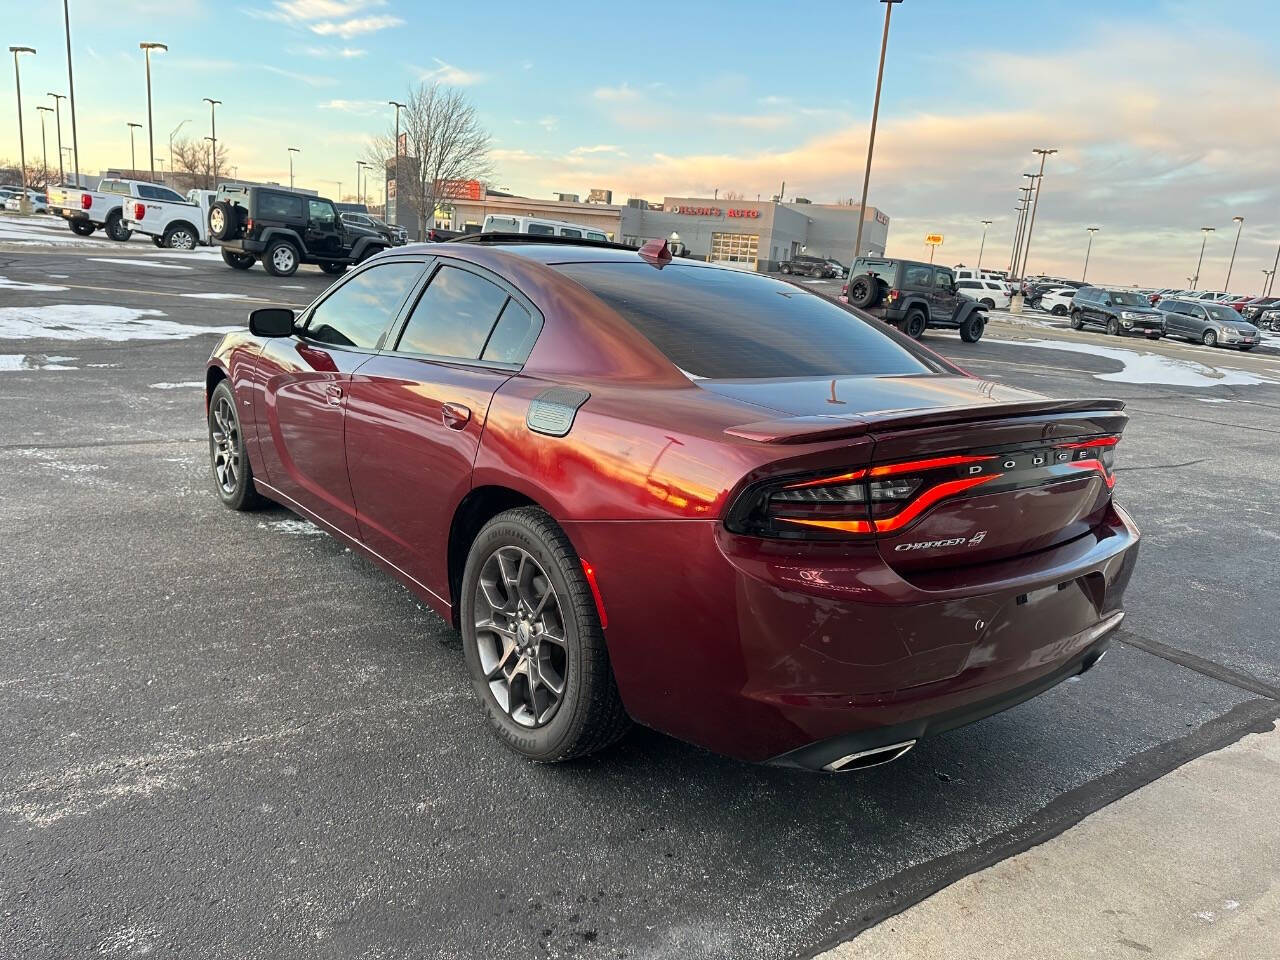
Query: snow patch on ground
x=188 y=254
x=1151 y=368
x=291 y=286
x=140 y=263
x=10 y=362
x=95 y=321
x=59 y=276
x=7 y=284
x=45 y=230
x=184 y=385
x=214 y=296
x=300 y=527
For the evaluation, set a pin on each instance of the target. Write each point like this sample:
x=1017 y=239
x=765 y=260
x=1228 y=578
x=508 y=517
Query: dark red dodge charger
x=692 y=497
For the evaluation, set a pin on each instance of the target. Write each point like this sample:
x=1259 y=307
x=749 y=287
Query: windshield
x=731 y=324
x=1219 y=312
x=1123 y=298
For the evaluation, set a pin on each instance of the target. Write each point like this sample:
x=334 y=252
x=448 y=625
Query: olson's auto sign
x=715 y=212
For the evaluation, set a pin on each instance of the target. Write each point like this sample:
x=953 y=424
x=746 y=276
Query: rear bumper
x=244 y=245
x=800 y=657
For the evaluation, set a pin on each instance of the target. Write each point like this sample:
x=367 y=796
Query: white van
x=501 y=223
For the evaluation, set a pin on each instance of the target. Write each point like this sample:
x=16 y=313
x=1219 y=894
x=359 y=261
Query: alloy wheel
x=282 y=258
x=225 y=433
x=217 y=221
x=520 y=636
x=182 y=240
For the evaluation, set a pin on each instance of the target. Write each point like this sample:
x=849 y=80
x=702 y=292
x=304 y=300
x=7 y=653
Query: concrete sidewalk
x=1186 y=867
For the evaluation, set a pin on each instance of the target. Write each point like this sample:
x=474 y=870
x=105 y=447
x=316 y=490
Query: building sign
x=402 y=145
x=600 y=196
x=934 y=240
x=460 y=189
x=882 y=218
x=714 y=212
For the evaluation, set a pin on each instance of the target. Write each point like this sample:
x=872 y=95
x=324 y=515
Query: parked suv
x=817 y=267
x=913 y=296
x=370 y=222
x=1119 y=312
x=284 y=229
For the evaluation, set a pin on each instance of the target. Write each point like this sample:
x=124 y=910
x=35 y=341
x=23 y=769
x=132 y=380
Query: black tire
x=281 y=258
x=1058 y=310
x=865 y=291
x=180 y=237
x=224 y=220
x=972 y=327
x=785 y=268
x=158 y=241
x=226 y=446
x=1076 y=322
x=1209 y=338
x=240 y=261
x=1248 y=348
x=817 y=273
x=372 y=250
x=81 y=228
x=333 y=269
x=588 y=716
x=115 y=228
x=915 y=323
x=1113 y=327
x=988 y=303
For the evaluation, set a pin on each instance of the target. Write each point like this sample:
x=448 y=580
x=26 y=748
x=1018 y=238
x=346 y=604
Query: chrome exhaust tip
x=866 y=759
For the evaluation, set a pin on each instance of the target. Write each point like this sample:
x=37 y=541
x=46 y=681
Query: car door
x=944 y=300
x=1175 y=322
x=416 y=412
x=1197 y=321
x=303 y=382
x=323 y=233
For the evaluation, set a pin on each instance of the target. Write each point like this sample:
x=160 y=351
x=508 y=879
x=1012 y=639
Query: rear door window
x=357 y=313
x=730 y=324
x=541 y=230
x=570 y=232
x=280 y=206
x=454 y=316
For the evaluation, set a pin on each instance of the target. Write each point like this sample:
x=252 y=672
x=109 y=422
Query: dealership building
x=754 y=234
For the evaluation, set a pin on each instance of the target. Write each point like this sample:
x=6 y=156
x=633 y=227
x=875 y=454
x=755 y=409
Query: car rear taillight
x=139 y=211
x=86 y=201
x=248 y=225
x=892 y=295
x=888 y=498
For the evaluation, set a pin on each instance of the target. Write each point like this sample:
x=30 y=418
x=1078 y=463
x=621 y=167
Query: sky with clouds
x=1164 y=113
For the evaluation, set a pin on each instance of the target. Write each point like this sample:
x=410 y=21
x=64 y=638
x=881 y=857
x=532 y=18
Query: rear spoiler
x=821 y=428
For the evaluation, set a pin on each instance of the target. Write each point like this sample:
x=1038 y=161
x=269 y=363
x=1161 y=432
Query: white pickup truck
x=88 y=210
x=178 y=224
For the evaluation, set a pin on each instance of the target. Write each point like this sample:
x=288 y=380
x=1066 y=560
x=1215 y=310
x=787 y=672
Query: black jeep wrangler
x=805 y=266
x=913 y=296
x=283 y=229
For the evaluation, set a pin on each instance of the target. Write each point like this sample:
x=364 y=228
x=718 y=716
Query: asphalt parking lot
x=230 y=736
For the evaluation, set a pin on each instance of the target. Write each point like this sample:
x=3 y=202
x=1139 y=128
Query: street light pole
x=292 y=151
x=1275 y=266
x=151 y=137
x=1088 y=250
x=174 y=133
x=1025 y=200
x=1044 y=154
x=1017 y=230
x=44 y=145
x=1239 y=222
x=1195 y=281
x=213 y=129
x=1266 y=280
x=212 y=183
x=982 y=246
x=133 y=161
x=871 y=139
x=57 y=110
x=24 y=203
x=395 y=154
x=71 y=88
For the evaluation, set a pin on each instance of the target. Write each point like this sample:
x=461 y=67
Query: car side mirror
x=271 y=322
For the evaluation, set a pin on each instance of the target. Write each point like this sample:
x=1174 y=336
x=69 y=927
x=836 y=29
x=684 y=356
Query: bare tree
x=445 y=147
x=38 y=177
x=191 y=162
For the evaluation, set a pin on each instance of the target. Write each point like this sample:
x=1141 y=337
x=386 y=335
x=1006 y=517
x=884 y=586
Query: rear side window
x=541 y=230
x=730 y=324
x=455 y=315
x=513 y=337
x=357 y=313
x=570 y=232
x=969 y=285
x=915 y=276
x=279 y=205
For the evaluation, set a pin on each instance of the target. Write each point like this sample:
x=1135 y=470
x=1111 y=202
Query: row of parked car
x=11 y=198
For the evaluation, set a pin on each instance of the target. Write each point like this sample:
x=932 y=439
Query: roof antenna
x=656 y=252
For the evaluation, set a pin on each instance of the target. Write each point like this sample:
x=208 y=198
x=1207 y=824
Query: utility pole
x=1239 y=222
x=1275 y=266
x=395 y=153
x=133 y=161
x=1195 y=281
x=1088 y=250
x=982 y=246
x=871 y=139
x=25 y=203
x=57 y=112
x=1044 y=154
x=44 y=146
x=151 y=136
x=213 y=129
x=292 y=151
x=71 y=88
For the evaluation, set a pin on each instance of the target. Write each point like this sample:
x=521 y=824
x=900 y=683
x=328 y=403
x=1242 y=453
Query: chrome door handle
x=455 y=415
x=334 y=395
